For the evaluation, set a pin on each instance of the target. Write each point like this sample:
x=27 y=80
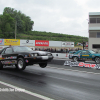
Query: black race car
x=22 y=56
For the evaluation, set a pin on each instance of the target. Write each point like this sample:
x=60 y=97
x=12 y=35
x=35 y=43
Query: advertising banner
x=1 y=41
x=13 y=42
x=55 y=43
x=27 y=42
x=67 y=44
x=81 y=64
x=41 y=43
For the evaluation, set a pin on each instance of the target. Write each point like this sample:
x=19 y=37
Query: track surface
x=56 y=82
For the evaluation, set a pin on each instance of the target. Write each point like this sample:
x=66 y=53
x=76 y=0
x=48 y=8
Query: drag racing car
x=71 y=52
x=85 y=55
x=22 y=56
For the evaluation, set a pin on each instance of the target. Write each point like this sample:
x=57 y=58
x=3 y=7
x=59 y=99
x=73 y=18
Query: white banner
x=67 y=44
x=27 y=42
x=1 y=47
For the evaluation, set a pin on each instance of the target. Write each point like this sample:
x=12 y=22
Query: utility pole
x=15 y=28
x=83 y=44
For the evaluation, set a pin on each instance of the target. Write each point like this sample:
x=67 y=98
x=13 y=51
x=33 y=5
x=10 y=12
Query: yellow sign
x=85 y=55
x=12 y=42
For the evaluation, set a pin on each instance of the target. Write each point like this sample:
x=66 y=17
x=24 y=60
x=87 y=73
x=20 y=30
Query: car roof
x=77 y=51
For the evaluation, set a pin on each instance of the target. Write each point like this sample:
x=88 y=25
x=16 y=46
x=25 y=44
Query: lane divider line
x=26 y=91
x=73 y=70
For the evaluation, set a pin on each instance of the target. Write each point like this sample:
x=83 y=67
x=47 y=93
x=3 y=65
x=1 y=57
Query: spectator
x=55 y=49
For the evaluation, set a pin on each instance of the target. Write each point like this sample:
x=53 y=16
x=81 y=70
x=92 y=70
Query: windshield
x=92 y=52
x=22 y=49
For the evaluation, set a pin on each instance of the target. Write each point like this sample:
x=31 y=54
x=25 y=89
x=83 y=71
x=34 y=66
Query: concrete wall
x=93 y=41
x=60 y=55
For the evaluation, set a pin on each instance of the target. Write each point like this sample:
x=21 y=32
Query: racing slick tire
x=97 y=60
x=21 y=65
x=43 y=65
x=1 y=66
x=75 y=58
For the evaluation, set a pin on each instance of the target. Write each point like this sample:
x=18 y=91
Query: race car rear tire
x=1 y=66
x=75 y=58
x=21 y=65
x=43 y=65
x=97 y=60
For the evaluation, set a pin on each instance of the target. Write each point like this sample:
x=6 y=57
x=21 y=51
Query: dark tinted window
x=98 y=20
x=98 y=34
x=92 y=20
x=96 y=46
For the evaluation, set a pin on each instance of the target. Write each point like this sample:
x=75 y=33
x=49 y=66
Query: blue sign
x=1 y=41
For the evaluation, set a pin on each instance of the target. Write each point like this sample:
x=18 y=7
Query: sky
x=57 y=16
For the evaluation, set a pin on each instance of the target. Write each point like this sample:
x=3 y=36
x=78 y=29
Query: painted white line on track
x=26 y=91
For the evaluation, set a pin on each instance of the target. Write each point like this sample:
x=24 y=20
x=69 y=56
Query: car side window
x=79 y=52
x=3 y=51
x=85 y=52
x=8 y=51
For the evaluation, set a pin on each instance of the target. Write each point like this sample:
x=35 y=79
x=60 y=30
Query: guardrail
x=60 y=55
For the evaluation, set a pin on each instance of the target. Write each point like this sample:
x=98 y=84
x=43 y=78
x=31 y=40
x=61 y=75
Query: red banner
x=41 y=43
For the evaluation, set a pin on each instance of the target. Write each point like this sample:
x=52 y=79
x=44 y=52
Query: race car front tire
x=43 y=65
x=21 y=65
x=97 y=60
x=75 y=58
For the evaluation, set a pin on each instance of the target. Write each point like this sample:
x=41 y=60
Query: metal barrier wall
x=60 y=55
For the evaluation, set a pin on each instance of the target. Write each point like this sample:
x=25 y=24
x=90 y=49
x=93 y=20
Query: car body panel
x=85 y=55
x=10 y=55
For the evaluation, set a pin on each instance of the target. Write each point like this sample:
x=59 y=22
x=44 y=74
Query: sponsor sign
x=12 y=57
x=0 y=57
x=1 y=41
x=41 y=43
x=55 y=43
x=81 y=64
x=13 y=42
x=85 y=55
x=27 y=42
x=67 y=44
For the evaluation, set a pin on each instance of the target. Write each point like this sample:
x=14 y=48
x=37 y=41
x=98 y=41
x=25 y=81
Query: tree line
x=38 y=35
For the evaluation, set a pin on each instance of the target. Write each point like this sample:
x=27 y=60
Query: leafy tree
x=8 y=21
x=7 y=27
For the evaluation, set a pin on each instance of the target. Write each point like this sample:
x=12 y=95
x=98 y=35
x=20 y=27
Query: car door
x=85 y=55
x=8 y=56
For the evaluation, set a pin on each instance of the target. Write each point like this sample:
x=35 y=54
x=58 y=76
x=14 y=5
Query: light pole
x=15 y=28
x=83 y=43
